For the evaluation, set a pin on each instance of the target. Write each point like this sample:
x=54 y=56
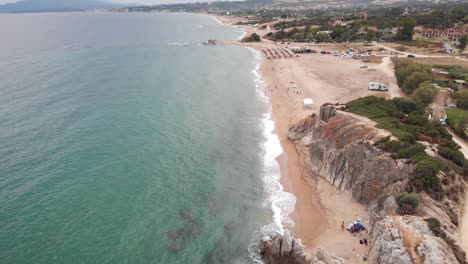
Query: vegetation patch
x=407 y=203
x=458 y=120
x=434 y=226
x=407 y=120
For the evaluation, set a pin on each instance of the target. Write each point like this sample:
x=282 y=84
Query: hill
x=27 y=6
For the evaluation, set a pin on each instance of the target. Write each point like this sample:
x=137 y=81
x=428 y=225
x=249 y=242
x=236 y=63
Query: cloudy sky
x=128 y=1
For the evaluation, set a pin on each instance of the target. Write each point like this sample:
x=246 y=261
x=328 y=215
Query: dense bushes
x=252 y=38
x=414 y=79
x=407 y=120
x=455 y=71
x=450 y=150
x=461 y=98
x=410 y=75
x=425 y=176
x=425 y=93
x=407 y=203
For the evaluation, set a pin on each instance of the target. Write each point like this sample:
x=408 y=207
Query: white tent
x=308 y=102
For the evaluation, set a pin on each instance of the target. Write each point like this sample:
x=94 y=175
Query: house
x=439 y=71
x=460 y=82
x=339 y=22
x=363 y=29
x=362 y=15
x=449 y=34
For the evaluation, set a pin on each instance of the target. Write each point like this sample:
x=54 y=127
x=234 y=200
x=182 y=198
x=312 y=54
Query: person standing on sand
x=342 y=226
x=365 y=241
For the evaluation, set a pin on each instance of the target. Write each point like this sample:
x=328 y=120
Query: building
x=449 y=34
x=362 y=15
x=363 y=30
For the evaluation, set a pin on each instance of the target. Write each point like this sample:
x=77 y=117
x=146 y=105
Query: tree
x=425 y=93
x=252 y=38
x=456 y=14
x=338 y=32
x=461 y=127
x=462 y=43
x=322 y=37
x=406 y=31
x=461 y=98
x=411 y=83
x=406 y=104
x=370 y=36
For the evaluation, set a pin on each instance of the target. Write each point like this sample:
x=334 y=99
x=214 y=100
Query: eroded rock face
x=341 y=151
x=407 y=239
x=338 y=147
x=286 y=249
x=283 y=249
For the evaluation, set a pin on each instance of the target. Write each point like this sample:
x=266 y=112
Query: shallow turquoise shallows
x=124 y=140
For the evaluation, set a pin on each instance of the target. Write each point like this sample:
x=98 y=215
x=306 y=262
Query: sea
x=123 y=139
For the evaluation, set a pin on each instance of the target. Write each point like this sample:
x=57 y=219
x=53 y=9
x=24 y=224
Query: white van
x=377 y=86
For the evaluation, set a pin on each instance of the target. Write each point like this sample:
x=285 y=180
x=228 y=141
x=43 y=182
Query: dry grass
x=411 y=240
x=432 y=61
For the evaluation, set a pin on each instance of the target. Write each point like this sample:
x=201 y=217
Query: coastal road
x=420 y=55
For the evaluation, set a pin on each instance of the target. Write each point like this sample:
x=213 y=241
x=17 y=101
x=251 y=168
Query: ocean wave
x=178 y=44
x=281 y=202
x=243 y=31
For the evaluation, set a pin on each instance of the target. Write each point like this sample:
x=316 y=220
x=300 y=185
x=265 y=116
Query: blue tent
x=358 y=227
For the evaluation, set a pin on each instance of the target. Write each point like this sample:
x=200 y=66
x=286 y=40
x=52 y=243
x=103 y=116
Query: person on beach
x=365 y=241
x=342 y=226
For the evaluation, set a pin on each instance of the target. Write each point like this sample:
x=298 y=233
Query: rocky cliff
x=284 y=249
x=338 y=146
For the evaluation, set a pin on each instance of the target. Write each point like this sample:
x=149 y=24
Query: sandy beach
x=320 y=208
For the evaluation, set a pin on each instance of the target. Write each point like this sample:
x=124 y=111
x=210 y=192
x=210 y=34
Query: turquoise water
x=123 y=140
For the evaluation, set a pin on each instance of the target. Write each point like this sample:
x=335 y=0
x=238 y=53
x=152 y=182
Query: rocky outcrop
x=284 y=249
x=341 y=151
x=339 y=147
x=407 y=239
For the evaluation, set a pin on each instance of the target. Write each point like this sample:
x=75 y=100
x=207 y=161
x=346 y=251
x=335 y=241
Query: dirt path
x=388 y=69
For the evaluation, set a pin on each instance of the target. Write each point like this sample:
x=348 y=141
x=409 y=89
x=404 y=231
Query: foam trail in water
x=178 y=44
x=281 y=202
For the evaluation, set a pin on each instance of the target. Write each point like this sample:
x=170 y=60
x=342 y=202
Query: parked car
x=411 y=56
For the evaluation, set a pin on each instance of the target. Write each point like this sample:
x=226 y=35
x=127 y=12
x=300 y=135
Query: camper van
x=377 y=86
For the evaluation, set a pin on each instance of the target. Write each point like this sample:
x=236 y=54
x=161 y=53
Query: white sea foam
x=281 y=202
x=243 y=31
x=178 y=44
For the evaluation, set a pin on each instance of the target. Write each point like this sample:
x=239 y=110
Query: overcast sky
x=131 y=1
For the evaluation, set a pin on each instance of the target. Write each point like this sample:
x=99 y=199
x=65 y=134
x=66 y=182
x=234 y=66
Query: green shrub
x=434 y=226
x=406 y=104
x=425 y=175
x=413 y=81
x=407 y=202
x=425 y=93
x=407 y=120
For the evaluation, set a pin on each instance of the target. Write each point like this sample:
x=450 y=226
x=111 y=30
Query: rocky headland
x=340 y=147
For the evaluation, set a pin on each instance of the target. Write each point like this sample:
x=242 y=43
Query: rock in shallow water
x=285 y=249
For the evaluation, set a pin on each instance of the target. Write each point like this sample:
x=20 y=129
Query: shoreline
x=320 y=207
